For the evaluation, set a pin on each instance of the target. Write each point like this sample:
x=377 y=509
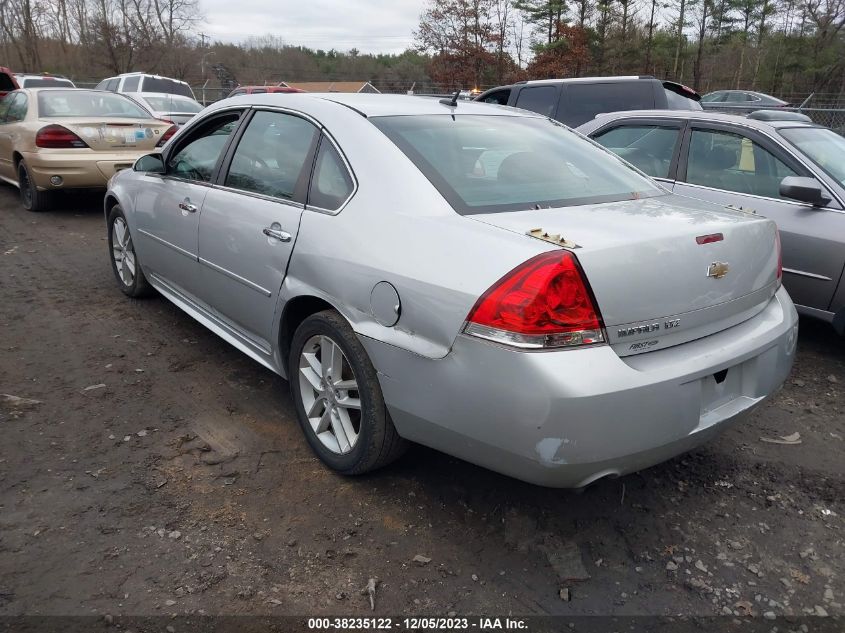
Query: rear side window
x=497 y=96
x=112 y=84
x=585 y=101
x=17 y=109
x=271 y=156
x=331 y=184
x=163 y=84
x=130 y=84
x=539 y=99
x=4 y=105
x=103 y=85
x=648 y=147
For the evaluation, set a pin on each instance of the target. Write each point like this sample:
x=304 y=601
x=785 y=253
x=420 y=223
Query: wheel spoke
x=349 y=403
x=340 y=430
x=332 y=357
x=325 y=421
x=119 y=231
x=129 y=258
x=346 y=385
x=318 y=406
x=313 y=362
x=312 y=377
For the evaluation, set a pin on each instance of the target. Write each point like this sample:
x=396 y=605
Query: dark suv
x=576 y=101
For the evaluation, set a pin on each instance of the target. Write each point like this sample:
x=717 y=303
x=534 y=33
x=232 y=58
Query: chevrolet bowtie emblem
x=717 y=270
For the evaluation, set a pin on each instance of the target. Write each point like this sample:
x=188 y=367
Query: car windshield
x=46 y=82
x=822 y=146
x=163 y=84
x=484 y=164
x=88 y=103
x=173 y=104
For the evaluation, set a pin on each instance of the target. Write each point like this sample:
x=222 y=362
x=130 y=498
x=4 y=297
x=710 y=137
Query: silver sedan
x=470 y=277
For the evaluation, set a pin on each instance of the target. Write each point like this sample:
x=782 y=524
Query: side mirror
x=804 y=190
x=151 y=164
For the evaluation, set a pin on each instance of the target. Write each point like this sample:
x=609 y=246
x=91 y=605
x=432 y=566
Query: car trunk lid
x=116 y=134
x=664 y=270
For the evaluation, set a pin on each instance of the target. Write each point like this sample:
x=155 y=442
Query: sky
x=371 y=26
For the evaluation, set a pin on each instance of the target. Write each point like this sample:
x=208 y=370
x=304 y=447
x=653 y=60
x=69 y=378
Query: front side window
x=648 y=147
x=88 y=103
x=824 y=147
x=331 y=184
x=272 y=156
x=540 y=99
x=197 y=159
x=733 y=162
x=487 y=164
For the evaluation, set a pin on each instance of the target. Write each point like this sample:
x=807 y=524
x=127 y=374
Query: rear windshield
x=170 y=86
x=487 y=164
x=677 y=101
x=6 y=82
x=173 y=104
x=88 y=103
x=39 y=82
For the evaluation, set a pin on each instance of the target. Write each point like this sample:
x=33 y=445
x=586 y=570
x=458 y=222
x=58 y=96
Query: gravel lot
x=161 y=471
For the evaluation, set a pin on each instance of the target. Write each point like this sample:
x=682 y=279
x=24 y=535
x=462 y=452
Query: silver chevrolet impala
x=470 y=277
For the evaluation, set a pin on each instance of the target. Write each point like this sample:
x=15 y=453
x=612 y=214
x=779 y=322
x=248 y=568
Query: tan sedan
x=53 y=139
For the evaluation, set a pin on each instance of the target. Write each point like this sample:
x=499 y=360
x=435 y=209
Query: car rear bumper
x=79 y=171
x=567 y=418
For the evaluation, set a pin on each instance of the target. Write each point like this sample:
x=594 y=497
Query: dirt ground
x=161 y=471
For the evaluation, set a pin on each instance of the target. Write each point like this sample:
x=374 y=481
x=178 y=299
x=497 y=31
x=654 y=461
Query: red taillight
x=709 y=239
x=168 y=133
x=545 y=302
x=780 y=257
x=58 y=137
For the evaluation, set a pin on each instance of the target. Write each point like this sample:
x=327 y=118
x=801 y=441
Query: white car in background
x=43 y=81
x=169 y=107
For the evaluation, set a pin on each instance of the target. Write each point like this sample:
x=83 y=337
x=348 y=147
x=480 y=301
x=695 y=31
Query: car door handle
x=278 y=234
x=186 y=205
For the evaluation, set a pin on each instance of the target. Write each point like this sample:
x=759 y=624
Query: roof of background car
x=700 y=115
x=597 y=80
x=371 y=105
x=164 y=95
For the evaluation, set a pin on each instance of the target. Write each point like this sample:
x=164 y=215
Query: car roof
x=165 y=95
x=377 y=104
x=573 y=80
x=703 y=115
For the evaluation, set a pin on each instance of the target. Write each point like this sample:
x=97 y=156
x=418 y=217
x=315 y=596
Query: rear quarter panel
x=397 y=228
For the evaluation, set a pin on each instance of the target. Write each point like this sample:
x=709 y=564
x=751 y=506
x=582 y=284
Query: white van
x=144 y=82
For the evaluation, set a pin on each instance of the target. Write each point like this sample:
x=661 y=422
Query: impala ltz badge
x=717 y=270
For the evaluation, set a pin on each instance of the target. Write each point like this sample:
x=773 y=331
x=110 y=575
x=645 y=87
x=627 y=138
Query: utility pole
x=203 y=37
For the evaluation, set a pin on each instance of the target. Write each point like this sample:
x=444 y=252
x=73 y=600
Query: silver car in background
x=169 y=107
x=773 y=163
x=474 y=278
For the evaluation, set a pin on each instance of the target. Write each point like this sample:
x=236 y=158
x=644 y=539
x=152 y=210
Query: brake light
x=544 y=302
x=168 y=133
x=58 y=137
x=780 y=257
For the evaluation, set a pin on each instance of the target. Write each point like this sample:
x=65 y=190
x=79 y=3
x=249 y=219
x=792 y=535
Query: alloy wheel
x=329 y=392
x=123 y=252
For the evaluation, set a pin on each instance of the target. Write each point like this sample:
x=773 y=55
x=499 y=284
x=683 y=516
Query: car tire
x=31 y=198
x=376 y=443
x=124 y=261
